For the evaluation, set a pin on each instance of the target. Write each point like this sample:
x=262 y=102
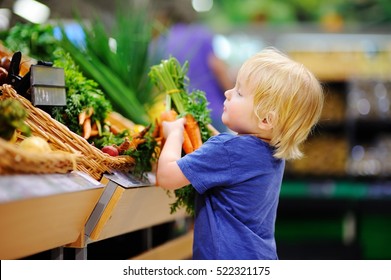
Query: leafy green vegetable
x=170 y=77
x=108 y=138
x=118 y=61
x=82 y=93
x=144 y=155
x=185 y=198
x=34 y=40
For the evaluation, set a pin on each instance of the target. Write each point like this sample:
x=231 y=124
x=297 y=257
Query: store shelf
x=43 y=212
x=126 y=205
x=177 y=249
x=339 y=57
x=334 y=219
x=336 y=189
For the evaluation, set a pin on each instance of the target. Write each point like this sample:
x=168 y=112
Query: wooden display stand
x=177 y=249
x=43 y=212
x=126 y=205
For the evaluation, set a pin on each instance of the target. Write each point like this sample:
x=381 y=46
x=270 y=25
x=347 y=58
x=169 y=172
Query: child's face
x=238 y=112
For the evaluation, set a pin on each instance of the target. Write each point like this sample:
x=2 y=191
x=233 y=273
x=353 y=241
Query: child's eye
x=238 y=92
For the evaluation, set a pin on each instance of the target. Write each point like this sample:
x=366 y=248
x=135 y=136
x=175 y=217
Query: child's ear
x=267 y=123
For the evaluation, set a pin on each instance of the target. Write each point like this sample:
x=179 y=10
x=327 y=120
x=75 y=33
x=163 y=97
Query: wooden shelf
x=42 y=212
x=124 y=208
x=180 y=248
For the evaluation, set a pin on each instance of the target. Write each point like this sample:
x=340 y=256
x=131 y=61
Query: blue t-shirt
x=238 y=182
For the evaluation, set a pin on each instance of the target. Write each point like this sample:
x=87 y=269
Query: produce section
x=91 y=136
x=97 y=142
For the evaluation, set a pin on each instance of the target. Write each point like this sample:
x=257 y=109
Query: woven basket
x=16 y=161
x=92 y=160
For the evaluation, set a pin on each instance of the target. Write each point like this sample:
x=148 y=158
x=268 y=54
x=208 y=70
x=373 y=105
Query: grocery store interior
x=335 y=203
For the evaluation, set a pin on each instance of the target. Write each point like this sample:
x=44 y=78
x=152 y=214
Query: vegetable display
x=12 y=117
x=117 y=59
x=170 y=78
x=87 y=107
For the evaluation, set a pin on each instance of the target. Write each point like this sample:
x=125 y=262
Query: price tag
x=128 y=180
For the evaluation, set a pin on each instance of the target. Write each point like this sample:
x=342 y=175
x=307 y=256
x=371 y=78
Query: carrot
x=87 y=128
x=94 y=130
x=135 y=142
x=114 y=129
x=169 y=116
x=193 y=130
x=142 y=133
x=156 y=130
x=82 y=117
x=85 y=114
x=124 y=146
x=187 y=146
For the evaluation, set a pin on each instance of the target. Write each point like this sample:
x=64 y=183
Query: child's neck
x=258 y=135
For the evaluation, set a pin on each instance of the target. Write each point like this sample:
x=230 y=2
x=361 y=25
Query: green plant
x=117 y=60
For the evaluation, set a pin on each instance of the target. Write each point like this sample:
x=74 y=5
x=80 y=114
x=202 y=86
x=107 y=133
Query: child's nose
x=227 y=94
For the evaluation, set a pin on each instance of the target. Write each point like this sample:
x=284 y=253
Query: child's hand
x=176 y=126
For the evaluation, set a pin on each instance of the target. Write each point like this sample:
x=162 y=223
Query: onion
x=35 y=144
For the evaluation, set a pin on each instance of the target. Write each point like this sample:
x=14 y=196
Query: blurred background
x=336 y=201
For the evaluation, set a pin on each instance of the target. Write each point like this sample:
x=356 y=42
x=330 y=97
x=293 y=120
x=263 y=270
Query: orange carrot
x=187 y=145
x=142 y=133
x=136 y=142
x=156 y=130
x=168 y=116
x=124 y=146
x=193 y=130
x=85 y=114
x=171 y=115
x=82 y=117
x=94 y=130
x=87 y=128
x=114 y=129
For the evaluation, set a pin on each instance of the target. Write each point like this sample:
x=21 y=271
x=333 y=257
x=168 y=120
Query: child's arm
x=169 y=175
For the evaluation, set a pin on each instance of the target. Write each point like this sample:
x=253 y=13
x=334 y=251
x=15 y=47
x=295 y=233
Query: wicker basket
x=92 y=160
x=16 y=161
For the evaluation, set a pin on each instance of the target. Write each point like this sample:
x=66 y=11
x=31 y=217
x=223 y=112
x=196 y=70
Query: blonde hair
x=288 y=95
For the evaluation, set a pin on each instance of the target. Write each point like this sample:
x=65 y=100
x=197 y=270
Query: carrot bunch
x=85 y=121
x=170 y=78
x=191 y=135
